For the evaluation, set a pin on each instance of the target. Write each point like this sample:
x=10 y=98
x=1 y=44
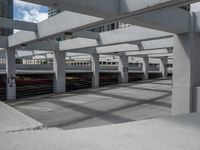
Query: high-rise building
x=53 y=11
x=186 y=7
x=6 y=11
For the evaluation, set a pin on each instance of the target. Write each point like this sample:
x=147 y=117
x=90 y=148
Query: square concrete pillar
x=197 y=99
x=123 y=69
x=186 y=73
x=11 y=76
x=59 y=72
x=163 y=66
x=95 y=70
x=145 y=67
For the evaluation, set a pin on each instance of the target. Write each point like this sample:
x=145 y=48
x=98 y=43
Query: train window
x=114 y=63
x=112 y=26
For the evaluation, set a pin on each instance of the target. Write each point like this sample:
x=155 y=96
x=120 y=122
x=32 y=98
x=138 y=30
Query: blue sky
x=29 y=12
x=36 y=13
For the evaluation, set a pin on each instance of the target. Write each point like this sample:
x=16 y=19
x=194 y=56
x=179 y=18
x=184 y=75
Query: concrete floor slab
x=13 y=120
x=107 y=105
x=173 y=133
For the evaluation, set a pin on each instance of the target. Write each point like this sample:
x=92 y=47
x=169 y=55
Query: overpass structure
x=158 y=28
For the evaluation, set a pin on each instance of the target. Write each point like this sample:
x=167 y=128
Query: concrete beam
x=77 y=43
x=108 y=8
x=15 y=24
x=30 y=54
x=157 y=20
x=3 y=41
x=86 y=34
x=160 y=55
x=103 y=8
x=166 y=43
x=157 y=44
x=41 y=45
x=120 y=36
x=128 y=10
x=52 y=27
x=147 y=52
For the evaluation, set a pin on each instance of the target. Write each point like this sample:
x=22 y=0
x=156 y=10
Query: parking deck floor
x=103 y=106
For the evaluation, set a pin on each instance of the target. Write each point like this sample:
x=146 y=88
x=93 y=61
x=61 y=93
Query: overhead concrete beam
x=41 y=45
x=21 y=37
x=108 y=8
x=128 y=10
x=15 y=24
x=132 y=34
x=99 y=8
x=146 y=52
x=52 y=27
x=160 y=55
x=178 y=20
x=166 y=43
x=86 y=34
x=160 y=43
x=30 y=54
x=3 y=41
x=77 y=43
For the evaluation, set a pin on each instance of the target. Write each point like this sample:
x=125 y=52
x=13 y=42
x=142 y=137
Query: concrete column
x=123 y=69
x=145 y=67
x=59 y=70
x=163 y=66
x=10 y=70
x=186 y=73
x=95 y=70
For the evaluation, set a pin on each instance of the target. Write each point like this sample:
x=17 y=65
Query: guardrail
x=68 y=67
x=28 y=88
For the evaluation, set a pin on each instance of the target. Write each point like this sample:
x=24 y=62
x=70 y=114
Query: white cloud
x=29 y=12
x=195 y=7
x=23 y=4
x=33 y=15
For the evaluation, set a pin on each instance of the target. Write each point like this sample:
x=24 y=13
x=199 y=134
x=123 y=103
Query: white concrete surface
x=59 y=70
x=96 y=107
x=123 y=68
x=15 y=24
x=95 y=70
x=186 y=75
x=145 y=68
x=12 y=120
x=176 y=133
x=11 y=74
x=163 y=66
x=131 y=11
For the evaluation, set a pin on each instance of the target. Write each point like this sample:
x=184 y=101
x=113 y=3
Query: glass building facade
x=53 y=11
x=6 y=11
